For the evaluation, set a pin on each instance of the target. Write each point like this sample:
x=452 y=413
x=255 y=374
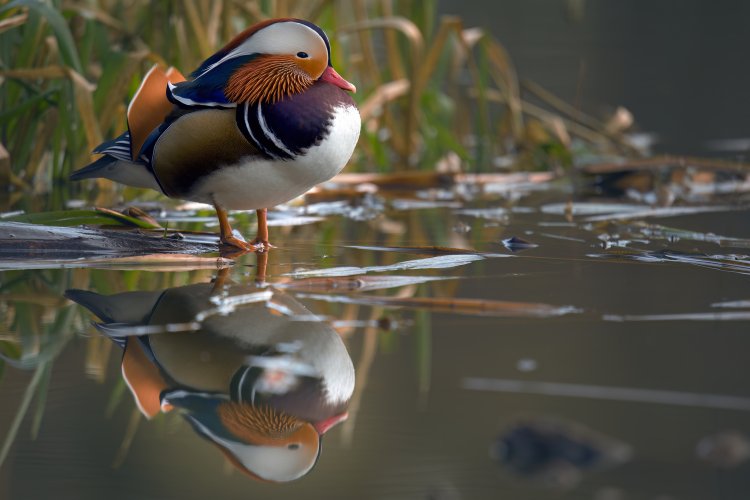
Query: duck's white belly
x=259 y=184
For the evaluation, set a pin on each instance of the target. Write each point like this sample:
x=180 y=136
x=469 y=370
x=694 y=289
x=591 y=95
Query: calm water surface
x=608 y=362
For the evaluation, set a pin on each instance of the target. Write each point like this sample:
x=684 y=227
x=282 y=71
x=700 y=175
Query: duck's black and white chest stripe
x=303 y=140
x=286 y=129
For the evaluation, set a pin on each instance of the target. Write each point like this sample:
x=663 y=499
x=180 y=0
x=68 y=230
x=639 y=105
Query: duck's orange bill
x=330 y=76
x=325 y=425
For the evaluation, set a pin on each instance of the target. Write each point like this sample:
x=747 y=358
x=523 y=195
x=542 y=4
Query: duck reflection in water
x=249 y=368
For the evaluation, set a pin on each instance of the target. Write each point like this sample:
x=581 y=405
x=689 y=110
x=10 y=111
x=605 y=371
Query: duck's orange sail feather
x=143 y=379
x=150 y=105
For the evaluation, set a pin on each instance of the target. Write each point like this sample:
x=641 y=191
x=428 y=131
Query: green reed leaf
x=59 y=27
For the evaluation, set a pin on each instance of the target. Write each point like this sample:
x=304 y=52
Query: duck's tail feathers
x=118 y=147
x=96 y=169
x=125 y=307
x=122 y=171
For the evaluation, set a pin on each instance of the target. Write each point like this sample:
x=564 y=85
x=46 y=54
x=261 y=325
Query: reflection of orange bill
x=325 y=425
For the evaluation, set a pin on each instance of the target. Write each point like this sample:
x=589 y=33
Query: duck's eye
x=302 y=55
x=293 y=446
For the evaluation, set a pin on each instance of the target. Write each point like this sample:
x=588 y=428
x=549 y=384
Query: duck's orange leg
x=262 y=237
x=261 y=264
x=225 y=232
x=221 y=280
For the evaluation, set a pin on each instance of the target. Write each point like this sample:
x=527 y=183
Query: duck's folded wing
x=196 y=144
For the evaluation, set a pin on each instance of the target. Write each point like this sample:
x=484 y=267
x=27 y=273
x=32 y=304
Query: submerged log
x=19 y=241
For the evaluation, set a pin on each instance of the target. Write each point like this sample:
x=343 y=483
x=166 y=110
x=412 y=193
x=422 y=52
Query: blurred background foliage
x=433 y=93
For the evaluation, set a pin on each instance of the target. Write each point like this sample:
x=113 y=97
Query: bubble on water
x=526 y=365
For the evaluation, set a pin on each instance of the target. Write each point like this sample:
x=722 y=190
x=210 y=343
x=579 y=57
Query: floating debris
x=461 y=227
x=608 y=393
x=366 y=207
x=583 y=208
x=404 y=204
x=733 y=304
x=411 y=181
x=494 y=214
x=355 y=284
x=662 y=212
x=671 y=234
x=732 y=263
x=473 y=307
x=561 y=237
x=293 y=220
x=700 y=316
x=516 y=244
x=555 y=452
x=664 y=161
x=427 y=250
x=526 y=365
x=440 y=262
x=726 y=449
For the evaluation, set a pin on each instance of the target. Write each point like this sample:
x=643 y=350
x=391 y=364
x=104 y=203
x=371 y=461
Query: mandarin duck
x=261 y=386
x=259 y=123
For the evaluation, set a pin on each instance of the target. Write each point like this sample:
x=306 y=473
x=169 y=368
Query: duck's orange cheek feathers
x=313 y=66
x=267 y=79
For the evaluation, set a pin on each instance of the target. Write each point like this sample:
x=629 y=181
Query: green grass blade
x=28 y=395
x=71 y=218
x=41 y=400
x=59 y=27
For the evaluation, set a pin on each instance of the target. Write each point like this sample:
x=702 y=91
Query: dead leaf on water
x=440 y=262
x=586 y=208
x=739 y=264
x=648 y=231
x=666 y=161
x=494 y=214
x=423 y=180
x=662 y=212
x=293 y=220
x=426 y=250
x=355 y=284
x=171 y=262
x=733 y=304
x=472 y=307
x=700 y=316
x=405 y=204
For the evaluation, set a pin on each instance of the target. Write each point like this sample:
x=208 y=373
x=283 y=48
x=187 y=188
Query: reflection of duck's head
x=261 y=385
x=260 y=441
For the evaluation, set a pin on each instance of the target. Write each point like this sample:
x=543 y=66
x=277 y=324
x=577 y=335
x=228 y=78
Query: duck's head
x=270 y=61
x=262 y=442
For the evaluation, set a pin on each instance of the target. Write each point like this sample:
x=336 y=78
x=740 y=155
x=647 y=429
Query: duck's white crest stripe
x=249 y=129
x=270 y=135
x=183 y=393
x=264 y=41
x=240 y=399
x=190 y=102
